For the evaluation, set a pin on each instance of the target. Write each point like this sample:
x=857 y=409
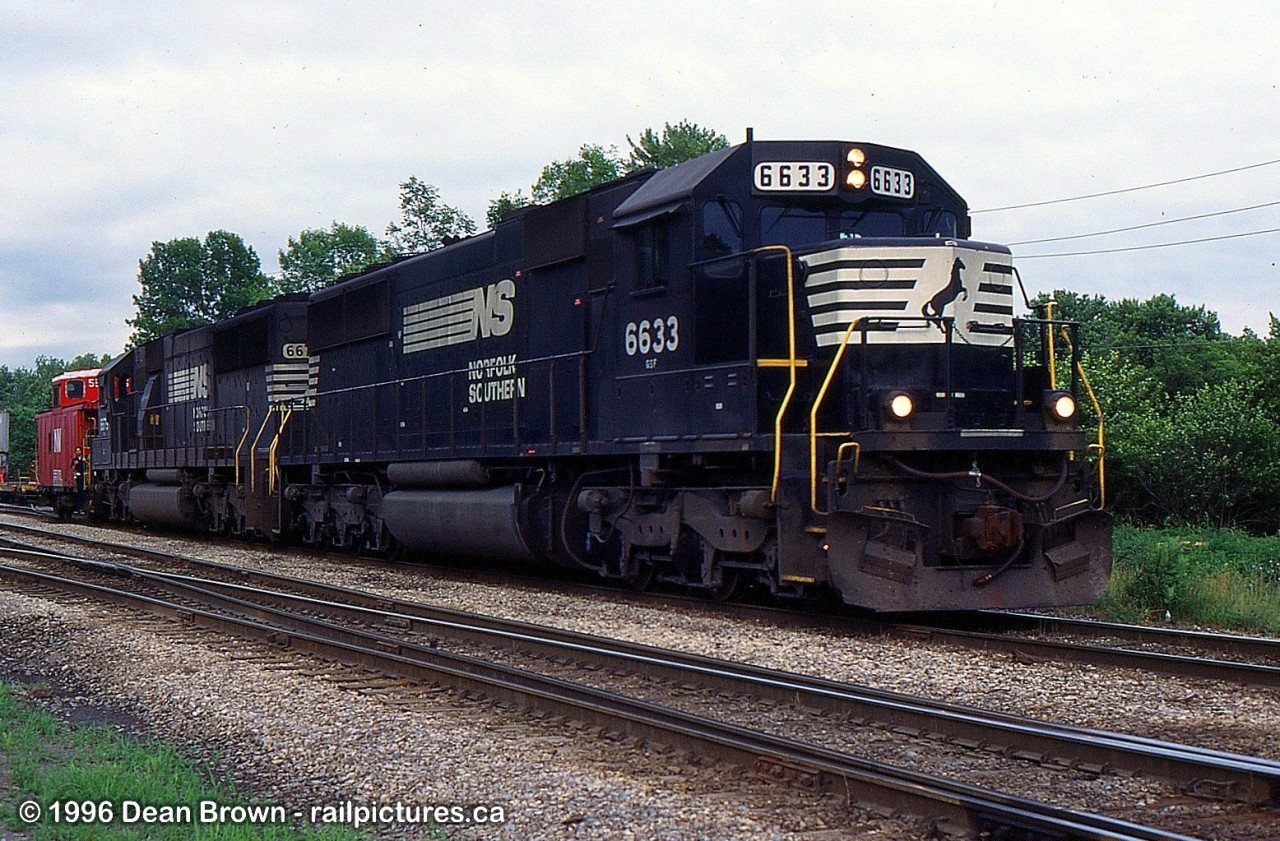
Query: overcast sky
x=124 y=123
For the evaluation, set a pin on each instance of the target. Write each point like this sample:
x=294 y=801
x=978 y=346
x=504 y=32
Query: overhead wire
x=1143 y=226
x=1148 y=247
x=1147 y=225
x=1128 y=190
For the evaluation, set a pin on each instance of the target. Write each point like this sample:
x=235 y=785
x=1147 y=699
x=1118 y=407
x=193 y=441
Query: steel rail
x=1229 y=645
x=1176 y=665
x=1201 y=771
x=951 y=805
x=1044 y=650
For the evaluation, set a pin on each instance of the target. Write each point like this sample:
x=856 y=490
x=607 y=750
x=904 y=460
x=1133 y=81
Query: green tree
x=319 y=256
x=504 y=204
x=188 y=282
x=1261 y=364
x=560 y=179
x=425 y=221
x=596 y=165
x=1213 y=460
x=682 y=142
x=1183 y=347
x=24 y=393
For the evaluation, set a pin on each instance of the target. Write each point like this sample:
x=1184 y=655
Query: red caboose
x=63 y=430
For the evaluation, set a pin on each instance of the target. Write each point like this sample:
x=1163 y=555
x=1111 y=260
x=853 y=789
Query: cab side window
x=721 y=229
x=653 y=255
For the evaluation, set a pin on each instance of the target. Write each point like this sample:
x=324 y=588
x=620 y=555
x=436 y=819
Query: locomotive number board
x=795 y=176
x=898 y=183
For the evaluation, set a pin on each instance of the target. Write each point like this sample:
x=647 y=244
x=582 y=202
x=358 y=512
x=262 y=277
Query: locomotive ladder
x=792 y=363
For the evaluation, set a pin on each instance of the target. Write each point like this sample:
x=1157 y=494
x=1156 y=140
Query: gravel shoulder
x=291 y=736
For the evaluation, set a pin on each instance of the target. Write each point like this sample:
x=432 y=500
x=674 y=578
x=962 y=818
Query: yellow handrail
x=248 y=418
x=1101 y=445
x=857 y=455
x=813 y=416
x=1053 y=371
x=791 y=364
x=253 y=466
x=286 y=412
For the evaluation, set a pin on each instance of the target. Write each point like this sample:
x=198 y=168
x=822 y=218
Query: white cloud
x=121 y=124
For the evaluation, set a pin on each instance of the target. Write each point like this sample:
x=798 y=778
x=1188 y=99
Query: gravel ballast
x=294 y=737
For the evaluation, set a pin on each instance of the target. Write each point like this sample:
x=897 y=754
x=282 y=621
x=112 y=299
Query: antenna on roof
x=751 y=134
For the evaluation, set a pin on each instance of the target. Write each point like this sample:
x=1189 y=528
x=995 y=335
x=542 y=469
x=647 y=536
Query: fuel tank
x=477 y=523
x=162 y=505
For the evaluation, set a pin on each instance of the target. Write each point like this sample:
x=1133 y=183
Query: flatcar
x=783 y=365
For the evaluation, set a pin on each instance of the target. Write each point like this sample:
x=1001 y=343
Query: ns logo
x=494 y=310
x=477 y=313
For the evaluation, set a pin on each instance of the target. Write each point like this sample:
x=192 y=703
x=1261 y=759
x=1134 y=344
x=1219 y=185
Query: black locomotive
x=783 y=364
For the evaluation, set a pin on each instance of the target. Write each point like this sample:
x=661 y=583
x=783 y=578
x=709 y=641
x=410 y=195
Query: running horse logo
x=934 y=307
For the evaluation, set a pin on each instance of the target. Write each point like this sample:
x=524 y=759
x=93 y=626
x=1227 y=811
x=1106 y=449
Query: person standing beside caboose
x=79 y=469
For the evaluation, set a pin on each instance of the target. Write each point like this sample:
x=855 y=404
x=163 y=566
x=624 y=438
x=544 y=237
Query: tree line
x=1191 y=414
x=191 y=281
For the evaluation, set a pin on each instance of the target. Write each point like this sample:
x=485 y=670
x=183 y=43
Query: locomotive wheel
x=698 y=561
x=644 y=576
x=731 y=581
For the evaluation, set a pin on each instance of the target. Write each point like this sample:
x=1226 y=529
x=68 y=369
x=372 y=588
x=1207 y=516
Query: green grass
x=1217 y=578
x=52 y=762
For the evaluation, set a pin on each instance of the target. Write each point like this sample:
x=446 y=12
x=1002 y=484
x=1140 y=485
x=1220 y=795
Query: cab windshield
x=798 y=226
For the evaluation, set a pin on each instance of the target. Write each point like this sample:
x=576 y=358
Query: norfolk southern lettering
x=494 y=379
x=462 y=317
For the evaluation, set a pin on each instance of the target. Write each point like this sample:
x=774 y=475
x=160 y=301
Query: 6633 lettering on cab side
x=655 y=335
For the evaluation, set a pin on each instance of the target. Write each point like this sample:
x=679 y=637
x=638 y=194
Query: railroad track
x=1201 y=772
x=953 y=807
x=1263 y=650
x=27 y=510
x=1248 y=661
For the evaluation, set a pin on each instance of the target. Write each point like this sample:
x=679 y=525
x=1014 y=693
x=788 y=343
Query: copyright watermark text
x=211 y=812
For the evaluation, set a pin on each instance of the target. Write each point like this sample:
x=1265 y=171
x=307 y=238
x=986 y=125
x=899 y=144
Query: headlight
x=855 y=177
x=1062 y=406
x=900 y=405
